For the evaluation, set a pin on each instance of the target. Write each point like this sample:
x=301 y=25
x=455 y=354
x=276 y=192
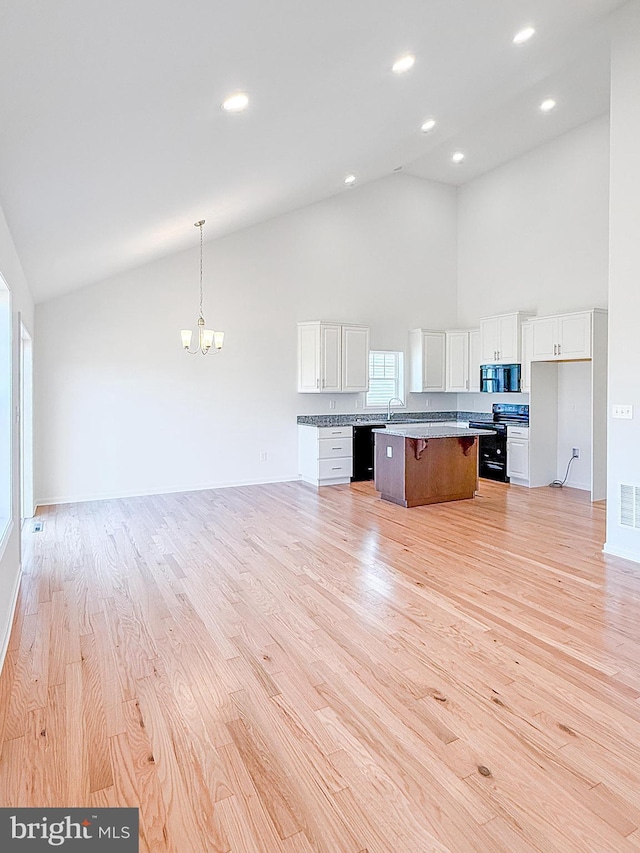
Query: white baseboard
x=634 y=556
x=585 y=487
x=169 y=490
x=7 y=632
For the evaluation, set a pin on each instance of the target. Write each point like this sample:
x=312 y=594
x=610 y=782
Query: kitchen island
x=426 y=464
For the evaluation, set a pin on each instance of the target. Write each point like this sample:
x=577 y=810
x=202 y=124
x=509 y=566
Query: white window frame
x=398 y=379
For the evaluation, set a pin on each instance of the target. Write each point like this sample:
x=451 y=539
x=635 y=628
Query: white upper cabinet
x=332 y=358
x=308 y=357
x=474 y=360
x=489 y=340
x=565 y=337
x=426 y=361
x=355 y=358
x=574 y=335
x=500 y=338
x=544 y=338
x=457 y=361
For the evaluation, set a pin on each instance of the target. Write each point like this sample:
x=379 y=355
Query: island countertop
x=427 y=431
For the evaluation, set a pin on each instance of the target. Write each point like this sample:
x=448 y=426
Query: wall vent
x=630 y=506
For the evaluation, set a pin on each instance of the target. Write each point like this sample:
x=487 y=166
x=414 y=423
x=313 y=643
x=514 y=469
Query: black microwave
x=499 y=378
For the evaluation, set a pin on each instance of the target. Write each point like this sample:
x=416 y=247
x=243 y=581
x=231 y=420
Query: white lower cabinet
x=325 y=454
x=518 y=454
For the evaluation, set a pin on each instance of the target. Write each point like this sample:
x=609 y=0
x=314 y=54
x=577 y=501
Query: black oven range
x=492 y=463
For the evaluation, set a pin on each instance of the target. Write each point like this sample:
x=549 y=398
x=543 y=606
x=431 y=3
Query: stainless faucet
x=393 y=400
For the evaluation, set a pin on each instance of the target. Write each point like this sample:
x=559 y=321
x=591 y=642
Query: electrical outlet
x=358 y=403
x=332 y=404
x=620 y=411
x=389 y=452
x=263 y=456
x=576 y=453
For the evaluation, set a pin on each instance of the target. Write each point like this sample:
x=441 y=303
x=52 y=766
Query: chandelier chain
x=200 y=225
x=208 y=340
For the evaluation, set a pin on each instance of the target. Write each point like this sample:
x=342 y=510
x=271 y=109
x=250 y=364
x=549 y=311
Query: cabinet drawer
x=328 y=469
x=335 y=432
x=518 y=432
x=334 y=448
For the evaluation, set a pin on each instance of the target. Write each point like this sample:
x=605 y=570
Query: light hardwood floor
x=275 y=668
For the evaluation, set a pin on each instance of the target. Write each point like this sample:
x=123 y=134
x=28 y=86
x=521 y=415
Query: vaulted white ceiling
x=113 y=141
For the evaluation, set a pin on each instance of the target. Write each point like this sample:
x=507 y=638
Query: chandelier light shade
x=208 y=340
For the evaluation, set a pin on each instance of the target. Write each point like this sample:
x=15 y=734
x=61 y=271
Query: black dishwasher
x=364 y=442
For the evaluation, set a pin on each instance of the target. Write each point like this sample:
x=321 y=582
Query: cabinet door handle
x=559 y=349
x=336 y=448
x=317 y=383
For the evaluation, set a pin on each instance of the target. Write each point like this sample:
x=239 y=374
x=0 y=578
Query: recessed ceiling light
x=236 y=103
x=524 y=35
x=403 y=64
x=428 y=126
x=457 y=157
x=547 y=105
x=350 y=180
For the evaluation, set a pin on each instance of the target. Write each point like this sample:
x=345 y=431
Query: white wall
x=574 y=422
x=121 y=409
x=483 y=402
x=20 y=302
x=533 y=234
x=135 y=414
x=624 y=289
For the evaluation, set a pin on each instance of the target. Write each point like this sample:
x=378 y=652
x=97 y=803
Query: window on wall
x=386 y=378
x=5 y=409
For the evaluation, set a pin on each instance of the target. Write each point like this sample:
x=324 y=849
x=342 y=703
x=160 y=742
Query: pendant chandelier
x=206 y=337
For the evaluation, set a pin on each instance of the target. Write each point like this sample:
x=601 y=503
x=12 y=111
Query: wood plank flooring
x=276 y=668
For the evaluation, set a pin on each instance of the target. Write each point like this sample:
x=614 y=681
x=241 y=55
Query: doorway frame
x=27 y=504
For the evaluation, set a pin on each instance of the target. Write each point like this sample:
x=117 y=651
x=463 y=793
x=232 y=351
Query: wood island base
x=426 y=471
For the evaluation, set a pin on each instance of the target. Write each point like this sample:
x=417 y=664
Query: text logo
x=103 y=830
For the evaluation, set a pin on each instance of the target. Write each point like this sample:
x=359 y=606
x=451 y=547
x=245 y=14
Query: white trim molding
x=634 y=556
x=107 y=496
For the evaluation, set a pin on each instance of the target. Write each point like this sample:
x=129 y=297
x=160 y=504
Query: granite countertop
x=398 y=418
x=431 y=431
